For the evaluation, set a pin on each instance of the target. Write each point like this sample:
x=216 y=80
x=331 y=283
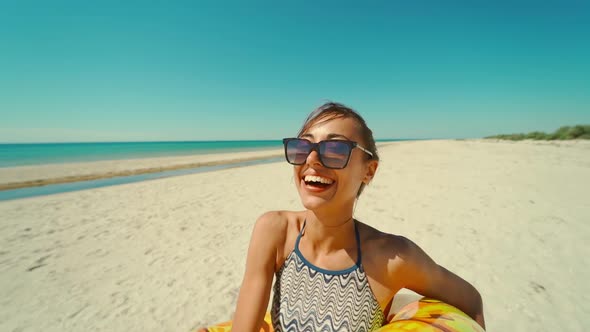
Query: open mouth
x=317 y=182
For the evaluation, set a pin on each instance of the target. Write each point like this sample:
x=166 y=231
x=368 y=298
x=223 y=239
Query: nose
x=313 y=158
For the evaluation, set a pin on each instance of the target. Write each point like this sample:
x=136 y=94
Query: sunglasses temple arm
x=365 y=150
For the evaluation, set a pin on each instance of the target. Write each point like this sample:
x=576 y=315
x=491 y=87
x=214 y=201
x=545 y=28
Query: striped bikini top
x=309 y=298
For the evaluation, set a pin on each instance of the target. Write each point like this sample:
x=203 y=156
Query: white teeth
x=312 y=178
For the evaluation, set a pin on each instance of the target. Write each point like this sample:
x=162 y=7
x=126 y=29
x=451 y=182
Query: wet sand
x=41 y=175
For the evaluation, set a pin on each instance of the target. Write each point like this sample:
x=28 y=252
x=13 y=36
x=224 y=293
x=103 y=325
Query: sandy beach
x=169 y=254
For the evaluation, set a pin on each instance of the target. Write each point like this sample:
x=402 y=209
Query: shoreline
x=42 y=175
x=124 y=173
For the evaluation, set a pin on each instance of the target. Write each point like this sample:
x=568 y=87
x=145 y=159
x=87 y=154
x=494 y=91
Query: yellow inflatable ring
x=426 y=315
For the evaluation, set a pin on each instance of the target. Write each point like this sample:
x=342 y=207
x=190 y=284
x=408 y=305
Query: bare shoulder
x=398 y=259
x=381 y=243
x=277 y=223
x=385 y=254
x=272 y=225
x=272 y=220
x=280 y=228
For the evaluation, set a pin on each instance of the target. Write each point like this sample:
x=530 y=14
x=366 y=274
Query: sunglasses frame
x=316 y=147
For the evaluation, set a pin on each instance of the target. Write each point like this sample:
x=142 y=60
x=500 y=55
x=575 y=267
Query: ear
x=371 y=169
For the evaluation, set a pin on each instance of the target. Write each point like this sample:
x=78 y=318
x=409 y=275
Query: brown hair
x=330 y=111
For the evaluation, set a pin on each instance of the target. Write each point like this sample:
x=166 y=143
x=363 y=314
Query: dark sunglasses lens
x=297 y=151
x=334 y=154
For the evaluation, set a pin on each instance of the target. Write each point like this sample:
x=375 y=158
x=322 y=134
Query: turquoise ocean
x=50 y=153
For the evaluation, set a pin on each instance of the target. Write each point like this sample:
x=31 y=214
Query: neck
x=327 y=232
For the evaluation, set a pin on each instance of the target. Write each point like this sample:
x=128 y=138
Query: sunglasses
x=333 y=154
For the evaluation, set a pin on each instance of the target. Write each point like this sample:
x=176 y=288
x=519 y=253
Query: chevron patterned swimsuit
x=308 y=298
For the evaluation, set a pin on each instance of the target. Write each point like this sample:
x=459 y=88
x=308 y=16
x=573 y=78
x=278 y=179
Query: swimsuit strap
x=356 y=235
x=300 y=233
x=358 y=243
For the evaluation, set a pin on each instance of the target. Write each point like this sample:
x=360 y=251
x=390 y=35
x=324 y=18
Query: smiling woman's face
x=340 y=186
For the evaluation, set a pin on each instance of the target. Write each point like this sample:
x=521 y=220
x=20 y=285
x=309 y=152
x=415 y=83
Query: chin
x=313 y=202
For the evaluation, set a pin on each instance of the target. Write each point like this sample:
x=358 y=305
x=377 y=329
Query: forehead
x=338 y=128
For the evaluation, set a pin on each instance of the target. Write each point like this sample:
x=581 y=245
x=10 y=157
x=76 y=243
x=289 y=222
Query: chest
x=328 y=300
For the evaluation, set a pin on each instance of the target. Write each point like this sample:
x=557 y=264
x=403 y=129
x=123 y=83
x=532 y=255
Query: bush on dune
x=537 y=135
x=563 y=133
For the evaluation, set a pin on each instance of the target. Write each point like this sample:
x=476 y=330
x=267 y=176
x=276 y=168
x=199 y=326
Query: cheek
x=354 y=176
x=347 y=179
x=296 y=171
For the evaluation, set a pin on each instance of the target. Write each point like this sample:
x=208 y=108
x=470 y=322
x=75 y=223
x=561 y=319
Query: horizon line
x=213 y=141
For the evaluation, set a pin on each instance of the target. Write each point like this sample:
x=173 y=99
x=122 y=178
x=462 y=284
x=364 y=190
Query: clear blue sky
x=176 y=70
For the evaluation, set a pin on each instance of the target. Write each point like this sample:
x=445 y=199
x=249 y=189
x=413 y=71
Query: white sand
x=168 y=254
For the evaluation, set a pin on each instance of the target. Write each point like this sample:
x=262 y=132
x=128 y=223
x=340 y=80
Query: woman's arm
x=260 y=267
x=422 y=275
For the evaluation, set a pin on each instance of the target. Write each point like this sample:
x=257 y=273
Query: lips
x=316 y=183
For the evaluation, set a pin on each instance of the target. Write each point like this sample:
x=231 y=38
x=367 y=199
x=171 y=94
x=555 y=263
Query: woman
x=335 y=273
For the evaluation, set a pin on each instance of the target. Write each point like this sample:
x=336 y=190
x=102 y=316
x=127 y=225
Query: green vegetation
x=563 y=133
